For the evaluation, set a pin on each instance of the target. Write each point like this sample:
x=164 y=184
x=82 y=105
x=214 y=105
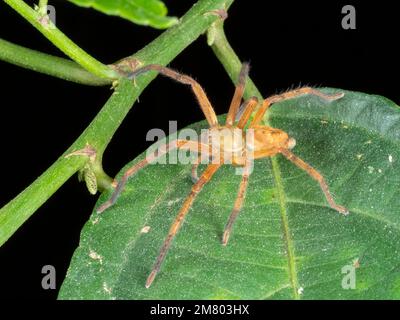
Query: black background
x=286 y=43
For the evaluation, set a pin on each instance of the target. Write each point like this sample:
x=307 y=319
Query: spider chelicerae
x=227 y=144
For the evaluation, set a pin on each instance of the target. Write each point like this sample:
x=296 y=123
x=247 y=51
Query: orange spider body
x=235 y=144
x=228 y=144
x=269 y=141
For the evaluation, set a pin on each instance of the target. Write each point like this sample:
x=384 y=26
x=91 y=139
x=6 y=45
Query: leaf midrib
x=292 y=268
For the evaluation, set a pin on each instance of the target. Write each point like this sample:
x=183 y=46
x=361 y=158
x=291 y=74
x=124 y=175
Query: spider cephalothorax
x=236 y=142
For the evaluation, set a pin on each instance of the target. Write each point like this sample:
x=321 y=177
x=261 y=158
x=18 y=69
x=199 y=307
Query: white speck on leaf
x=359 y=156
x=371 y=169
x=106 y=288
x=171 y=202
x=300 y=290
x=95 y=256
x=145 y=229
x=390 y=158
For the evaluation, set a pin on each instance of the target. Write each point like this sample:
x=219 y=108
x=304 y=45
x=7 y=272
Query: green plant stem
x=227 y=56
x=60 y=40
x=100 y=131
x=19 y=209
x=232 y=65
x=54 y=66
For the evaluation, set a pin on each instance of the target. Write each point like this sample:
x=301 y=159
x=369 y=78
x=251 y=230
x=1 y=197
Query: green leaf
x=284 y=245
x=144 y=12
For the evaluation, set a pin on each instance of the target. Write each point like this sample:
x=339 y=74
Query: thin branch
x=54 y=66
x=60 y=40
x=227 y=56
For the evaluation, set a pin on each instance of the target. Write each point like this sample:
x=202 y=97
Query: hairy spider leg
x=238 y=95
x=205 y=177
x=238 y=202
x=317 y=176
x=195 y=166
x=200 y=94
x=249 y=107
x=290 y=95
x=204 y=158
x=194 y=175
x=194 y=146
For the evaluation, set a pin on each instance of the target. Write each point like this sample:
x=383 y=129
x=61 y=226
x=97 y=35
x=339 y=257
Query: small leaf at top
x=144 y=12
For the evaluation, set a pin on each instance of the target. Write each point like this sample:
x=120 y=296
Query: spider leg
x=201 y=157
x=238 y=204
x=250 y=105
x=205 y=177
x=237 y=96
x=200 y=94
x=317 y=176
x=195 y=166
x=163 y=149
x=290 y=95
